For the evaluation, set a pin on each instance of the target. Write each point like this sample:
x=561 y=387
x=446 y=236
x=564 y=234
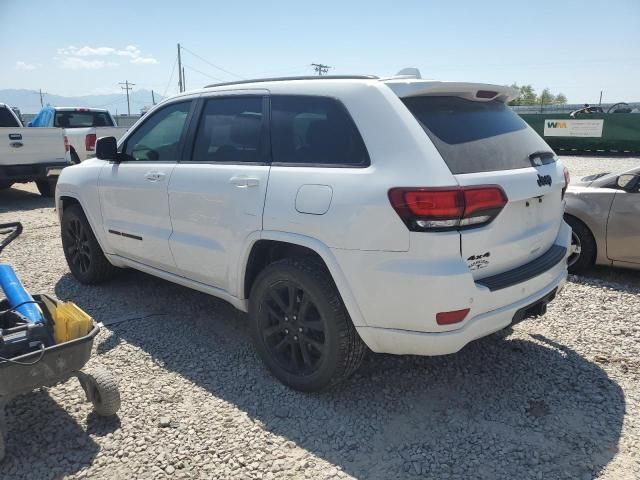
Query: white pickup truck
x=30 y=154
x=82 y=127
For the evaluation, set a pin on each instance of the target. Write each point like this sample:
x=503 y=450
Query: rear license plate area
x=535 y=309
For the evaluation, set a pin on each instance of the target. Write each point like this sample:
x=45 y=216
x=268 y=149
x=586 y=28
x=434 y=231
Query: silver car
x=604 y=213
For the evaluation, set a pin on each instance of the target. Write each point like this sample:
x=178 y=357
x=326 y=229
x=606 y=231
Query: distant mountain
x=28 y=101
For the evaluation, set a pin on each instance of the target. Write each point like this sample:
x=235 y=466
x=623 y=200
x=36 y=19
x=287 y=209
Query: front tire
x=82 y=251
x=47 y=188
x=583 y=246
x=300 y=326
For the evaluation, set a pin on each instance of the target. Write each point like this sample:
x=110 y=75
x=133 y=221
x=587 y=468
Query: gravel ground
x=556 y=397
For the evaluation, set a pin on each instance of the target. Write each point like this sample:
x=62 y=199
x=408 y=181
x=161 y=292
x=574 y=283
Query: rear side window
x=7 y=119
x=314 y=130
x=476 y=136
x=71 y=119
x=230 y=130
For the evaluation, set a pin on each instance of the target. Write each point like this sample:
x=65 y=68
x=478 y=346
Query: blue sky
x=86 y=47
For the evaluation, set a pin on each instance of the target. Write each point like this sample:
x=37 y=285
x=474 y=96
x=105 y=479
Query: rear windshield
x=476 y=136
x=7 y=119
x=82 y=119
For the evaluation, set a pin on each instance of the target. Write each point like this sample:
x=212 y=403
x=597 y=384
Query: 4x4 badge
x=544 y=180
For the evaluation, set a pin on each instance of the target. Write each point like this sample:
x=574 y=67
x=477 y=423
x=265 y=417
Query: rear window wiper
x=541 y=158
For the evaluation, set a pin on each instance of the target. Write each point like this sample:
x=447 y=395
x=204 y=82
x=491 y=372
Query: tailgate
x=483 y=142
x=29 y=146
x=526 y=227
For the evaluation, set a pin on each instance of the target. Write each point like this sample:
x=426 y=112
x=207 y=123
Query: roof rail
x=308 y=77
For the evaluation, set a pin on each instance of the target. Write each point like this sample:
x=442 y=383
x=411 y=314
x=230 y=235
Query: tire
x=300 y=326
x=102 y=390
x=5 y=184
x=47 y=188
x=74 y=158
x=583 y=246
x=84 y=256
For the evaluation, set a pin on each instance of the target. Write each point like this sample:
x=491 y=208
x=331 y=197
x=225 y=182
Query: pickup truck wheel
x=74 y=158
x=47 y=188
x=301 y=327
x=5 y=184
x=81 y=249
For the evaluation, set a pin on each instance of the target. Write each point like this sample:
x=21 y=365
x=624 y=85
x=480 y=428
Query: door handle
x=244 y=182
x=154 y=176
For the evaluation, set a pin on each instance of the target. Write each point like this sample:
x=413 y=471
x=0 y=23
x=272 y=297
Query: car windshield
x=77 y=119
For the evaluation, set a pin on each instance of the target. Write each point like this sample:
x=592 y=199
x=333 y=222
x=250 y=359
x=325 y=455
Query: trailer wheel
x=102 y=391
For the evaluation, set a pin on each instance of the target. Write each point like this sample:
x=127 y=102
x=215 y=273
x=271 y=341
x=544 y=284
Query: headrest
x=245 y=130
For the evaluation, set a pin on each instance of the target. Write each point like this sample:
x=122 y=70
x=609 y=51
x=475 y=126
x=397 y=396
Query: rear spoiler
x=481 y=92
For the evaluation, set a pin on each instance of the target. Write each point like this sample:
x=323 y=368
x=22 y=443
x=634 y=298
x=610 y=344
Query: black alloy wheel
x=292 y=328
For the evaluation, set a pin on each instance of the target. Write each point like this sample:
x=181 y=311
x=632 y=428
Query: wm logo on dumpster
x=556 y=124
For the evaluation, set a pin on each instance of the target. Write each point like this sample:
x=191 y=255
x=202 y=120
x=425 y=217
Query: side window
x=6 y=118
x=158 y=137
x=314 y=130
x=230 y=130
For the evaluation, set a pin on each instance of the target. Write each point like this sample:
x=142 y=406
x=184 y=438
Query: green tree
x=546 y=97
x=527 y=95
x=561 y=99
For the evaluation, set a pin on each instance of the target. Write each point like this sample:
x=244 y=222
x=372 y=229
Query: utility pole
x=320 y=68
x=180 y=72
x=184 y=81
x=127 y=86
x=41 y=98
x=600 y=104
x=153 y=98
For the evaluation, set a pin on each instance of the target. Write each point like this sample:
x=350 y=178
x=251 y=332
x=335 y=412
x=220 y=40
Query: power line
x=128 y=86
x=173 y=69
x=212 y=64
x=320 y=68
x=202 y=73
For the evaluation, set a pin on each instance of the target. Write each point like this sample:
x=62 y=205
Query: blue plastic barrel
x=17 y=295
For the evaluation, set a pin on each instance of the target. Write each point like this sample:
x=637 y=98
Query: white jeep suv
x=402 y=215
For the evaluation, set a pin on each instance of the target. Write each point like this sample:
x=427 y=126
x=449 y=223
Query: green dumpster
x=604 y=132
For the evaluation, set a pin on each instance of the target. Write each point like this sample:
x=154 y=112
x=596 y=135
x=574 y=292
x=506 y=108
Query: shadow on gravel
x=18 y=200
x=619 y=279
x=43 y=440
x=500 y=408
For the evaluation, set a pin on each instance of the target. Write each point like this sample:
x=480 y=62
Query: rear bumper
x=400 y=293
x=404 y=342
x=29 y=173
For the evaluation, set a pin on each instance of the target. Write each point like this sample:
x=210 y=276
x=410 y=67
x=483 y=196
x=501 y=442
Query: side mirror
x=627 y=182
x=107 y=148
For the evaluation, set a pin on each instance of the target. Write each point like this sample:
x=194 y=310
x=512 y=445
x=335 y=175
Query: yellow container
x=70 y=322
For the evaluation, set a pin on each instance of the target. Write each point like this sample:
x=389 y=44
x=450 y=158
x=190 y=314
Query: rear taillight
x=429 y=209
x=567 y=178
x=90 y=142
x=66 y=144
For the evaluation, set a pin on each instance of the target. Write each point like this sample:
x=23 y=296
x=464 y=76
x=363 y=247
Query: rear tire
x=5 y=184
x=300 y=326
x=583 y=246
x=47 y=188
x=82 y=251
